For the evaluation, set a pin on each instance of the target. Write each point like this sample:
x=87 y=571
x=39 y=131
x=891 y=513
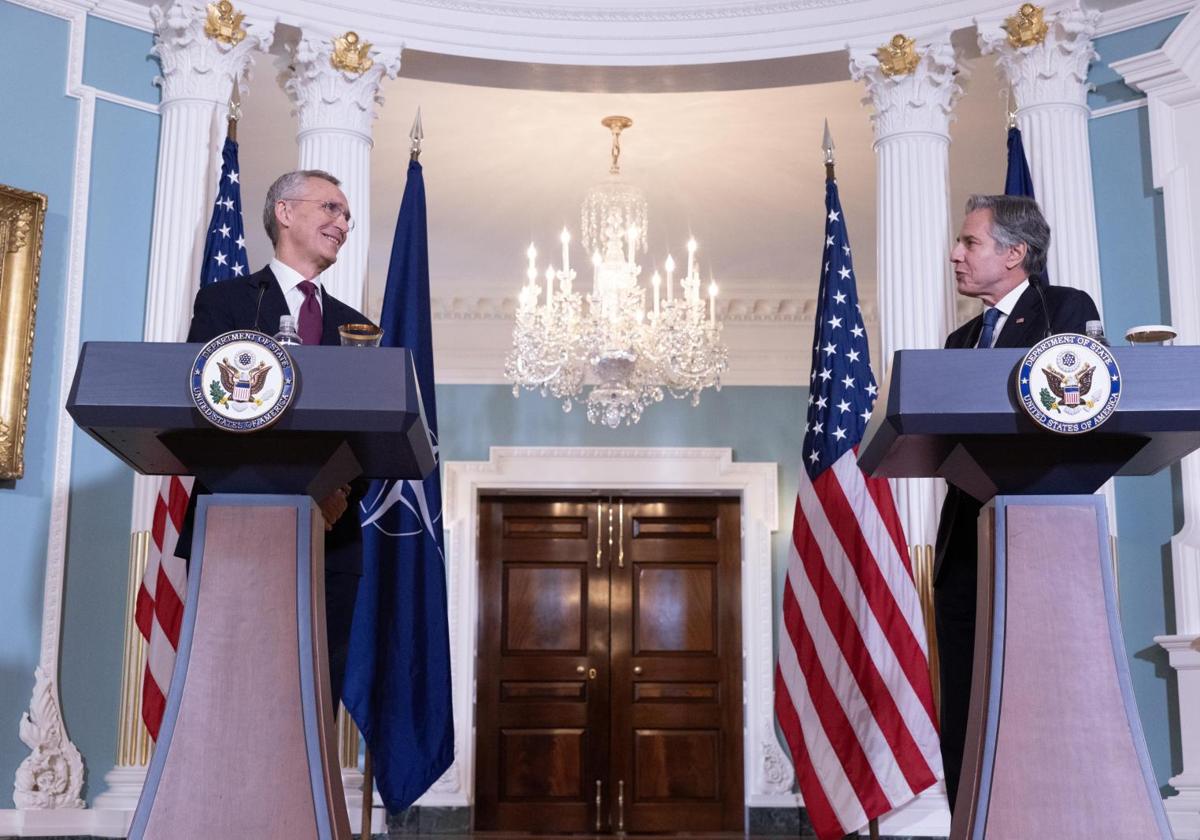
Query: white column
x=1049 y=83
x=916 y=297
x=1171 y=79
x=198 y=75
x=336 y=110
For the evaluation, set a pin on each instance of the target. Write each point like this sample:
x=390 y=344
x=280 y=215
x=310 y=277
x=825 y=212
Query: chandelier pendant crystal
x=629 y=343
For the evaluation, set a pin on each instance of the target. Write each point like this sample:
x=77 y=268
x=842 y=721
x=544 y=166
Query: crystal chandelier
x=628 y=350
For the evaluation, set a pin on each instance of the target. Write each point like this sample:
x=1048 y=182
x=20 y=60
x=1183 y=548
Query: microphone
x=262 y=287
x=1035 y=280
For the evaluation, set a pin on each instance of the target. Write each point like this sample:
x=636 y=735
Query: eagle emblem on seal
x=243 y=380
x=1070 y=382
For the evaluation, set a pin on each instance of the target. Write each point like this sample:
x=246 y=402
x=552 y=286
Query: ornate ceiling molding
x=781 y=310
x=666 y=14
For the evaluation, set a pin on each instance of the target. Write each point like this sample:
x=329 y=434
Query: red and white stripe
x=160 y=598
x=852 y=688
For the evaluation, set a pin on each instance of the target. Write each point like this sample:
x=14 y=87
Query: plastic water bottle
x=1095 y=331
x=287 y=331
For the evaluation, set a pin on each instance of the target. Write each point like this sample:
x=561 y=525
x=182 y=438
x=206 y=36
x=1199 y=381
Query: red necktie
x=310 y=314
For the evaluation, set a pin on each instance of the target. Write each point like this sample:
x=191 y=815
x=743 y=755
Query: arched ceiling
x=635 y=32
x=727 y=152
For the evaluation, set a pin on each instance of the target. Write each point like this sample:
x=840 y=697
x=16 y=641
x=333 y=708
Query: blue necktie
x=990 y=317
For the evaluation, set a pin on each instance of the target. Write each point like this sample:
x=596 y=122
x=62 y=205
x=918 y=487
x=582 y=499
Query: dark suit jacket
x=1069 y=310
x=235 y=305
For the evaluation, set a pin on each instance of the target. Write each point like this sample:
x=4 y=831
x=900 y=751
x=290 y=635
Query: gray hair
x=1017 y=219
x=286 y=186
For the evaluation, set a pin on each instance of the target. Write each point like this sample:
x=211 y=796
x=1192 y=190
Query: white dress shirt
x=1004 y=305
x=289 y=282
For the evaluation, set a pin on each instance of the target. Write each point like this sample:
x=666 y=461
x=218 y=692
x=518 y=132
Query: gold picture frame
x=22 y=222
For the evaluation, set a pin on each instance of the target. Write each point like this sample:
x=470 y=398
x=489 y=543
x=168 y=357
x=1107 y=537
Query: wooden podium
x=247 y=746
x=1054 y=742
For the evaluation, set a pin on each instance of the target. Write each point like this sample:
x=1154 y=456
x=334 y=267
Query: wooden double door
x=609 y=665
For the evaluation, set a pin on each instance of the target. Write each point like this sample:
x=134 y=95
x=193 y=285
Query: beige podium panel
x=1054 y=743
x=248 y=747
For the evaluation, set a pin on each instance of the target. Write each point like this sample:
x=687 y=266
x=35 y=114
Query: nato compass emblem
x=242 y=381
x=1069 y=383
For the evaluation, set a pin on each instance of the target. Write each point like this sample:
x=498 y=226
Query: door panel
x=542 y=726
x=609 y=668
x=676 y=666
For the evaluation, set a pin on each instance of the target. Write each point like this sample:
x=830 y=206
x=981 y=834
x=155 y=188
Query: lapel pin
x=1020 y=321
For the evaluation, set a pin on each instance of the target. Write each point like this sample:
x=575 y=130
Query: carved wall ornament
x=898 y=57
x=51 y=776
x=224 y=23
x=22 y=219
x=1027 y=27
x=197 y=65
x=350 y=54
x=919 y=101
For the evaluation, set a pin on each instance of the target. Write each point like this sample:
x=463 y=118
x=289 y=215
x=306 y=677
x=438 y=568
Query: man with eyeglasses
x=308 y=219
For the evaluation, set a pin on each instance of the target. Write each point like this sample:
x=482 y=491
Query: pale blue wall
x=38 y=153
x=1133 y=267
x=758 y=423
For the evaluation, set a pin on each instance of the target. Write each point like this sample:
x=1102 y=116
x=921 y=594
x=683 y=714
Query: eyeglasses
x=332 y=209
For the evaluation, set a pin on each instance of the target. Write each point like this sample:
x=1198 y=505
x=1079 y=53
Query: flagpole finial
x=417 y=134
x=827 y=146
x=1012 y=119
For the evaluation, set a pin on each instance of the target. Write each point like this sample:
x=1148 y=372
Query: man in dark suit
x=308 y=219
x=999 y=256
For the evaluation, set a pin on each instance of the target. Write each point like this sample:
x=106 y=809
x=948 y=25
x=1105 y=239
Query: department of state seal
x=242 y=381
x=1069 y=383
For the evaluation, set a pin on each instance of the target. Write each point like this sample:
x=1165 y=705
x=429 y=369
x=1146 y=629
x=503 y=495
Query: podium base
x=247 y=746
x=1054 y=742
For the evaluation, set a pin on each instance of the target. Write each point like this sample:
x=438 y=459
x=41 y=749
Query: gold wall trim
x=922 y=564
x=347 y=739
x=22 y=223
x=133 y=741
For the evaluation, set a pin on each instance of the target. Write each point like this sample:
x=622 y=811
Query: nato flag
x=398 y=669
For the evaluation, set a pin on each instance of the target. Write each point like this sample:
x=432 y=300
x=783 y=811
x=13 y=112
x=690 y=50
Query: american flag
x=159 y=610
x=852 y=688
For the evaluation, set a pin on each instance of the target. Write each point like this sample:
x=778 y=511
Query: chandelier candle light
x=628 y=351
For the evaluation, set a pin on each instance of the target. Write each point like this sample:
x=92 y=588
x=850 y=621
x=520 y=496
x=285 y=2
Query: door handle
x=637 y=670
x=599 y=529
x=621 y=806
x=599 y=826
x=579 y=669
x=621 y=538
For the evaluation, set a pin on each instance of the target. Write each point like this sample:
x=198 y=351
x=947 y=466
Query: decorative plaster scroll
x=51 y=776
x=778 y=777
x=1052 y=72
x=326 y=98
x=921 y=101
x=619 y=469
x=195 y=66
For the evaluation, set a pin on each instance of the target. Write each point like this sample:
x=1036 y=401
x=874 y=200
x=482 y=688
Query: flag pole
x=368 y=789
x=827 y=147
